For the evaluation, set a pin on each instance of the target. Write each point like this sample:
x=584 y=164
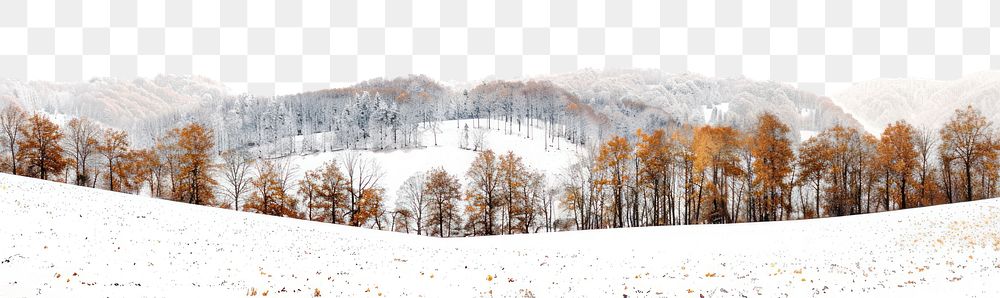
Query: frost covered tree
x=310 y=144
x=463 y=139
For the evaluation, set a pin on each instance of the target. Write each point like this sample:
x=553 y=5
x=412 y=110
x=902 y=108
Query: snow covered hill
x=923 y=103
x=115 y=102
x=697 y=99
x=551 y=158
x=63 y=240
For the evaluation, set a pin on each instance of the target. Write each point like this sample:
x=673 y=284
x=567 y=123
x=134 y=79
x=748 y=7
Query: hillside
x=63 y=240
x=697 y=99
x=923 y=103
x=398 y=165
x=115 y=102
x=584 y=105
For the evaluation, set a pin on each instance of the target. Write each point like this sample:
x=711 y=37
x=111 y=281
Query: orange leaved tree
x=40 y=151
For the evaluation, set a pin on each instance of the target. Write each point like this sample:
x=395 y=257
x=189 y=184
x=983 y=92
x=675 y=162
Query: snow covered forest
x=878 y=103
x=647 y=149
x=581 y=107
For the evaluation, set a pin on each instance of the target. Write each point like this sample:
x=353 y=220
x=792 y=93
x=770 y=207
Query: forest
x=384 y=114
x=670 y=175
x=379 y=114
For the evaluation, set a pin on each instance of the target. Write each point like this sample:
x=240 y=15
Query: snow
x=64 y=240
x=723 y=108
x=926 y=104
x=715 y=113
x=807 y=113
x=807 y=134
x=695 y=98
x=115 y=102
x=399 y=165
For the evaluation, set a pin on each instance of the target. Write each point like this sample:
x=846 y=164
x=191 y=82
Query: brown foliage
x=715 y=161
x=484 y=172
x=40 y=152
x=193 y=165
x=613 y=159
x=114 y=147
x=968 y=138
x=369 y=207
x=361 y=177
x=270 y=191
x=772 y=165
x=897 y=156
x=444 y=192
x=654 y=155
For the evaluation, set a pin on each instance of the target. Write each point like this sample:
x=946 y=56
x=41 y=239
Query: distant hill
x=923 y=103
x=696 y=99
x=113 y=101
x=588 y=103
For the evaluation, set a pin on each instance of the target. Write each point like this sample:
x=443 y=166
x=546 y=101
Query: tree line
x=180 y=166
x=718 y=174
x=381 y=114
x=666 y=176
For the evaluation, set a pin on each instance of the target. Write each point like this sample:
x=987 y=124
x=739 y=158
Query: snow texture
x=64 y=240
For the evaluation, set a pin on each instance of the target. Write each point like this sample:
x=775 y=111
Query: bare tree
x=81 y=140
x=549 y=198
x=925 y=143
x=413 y=198
x=12 y=118
x=236 y=166
x=401 y=218
x=478 y=139
x=363 y=175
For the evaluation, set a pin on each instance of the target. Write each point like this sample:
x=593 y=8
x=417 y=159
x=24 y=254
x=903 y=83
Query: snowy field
x=398 y=165
x=66 y=241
